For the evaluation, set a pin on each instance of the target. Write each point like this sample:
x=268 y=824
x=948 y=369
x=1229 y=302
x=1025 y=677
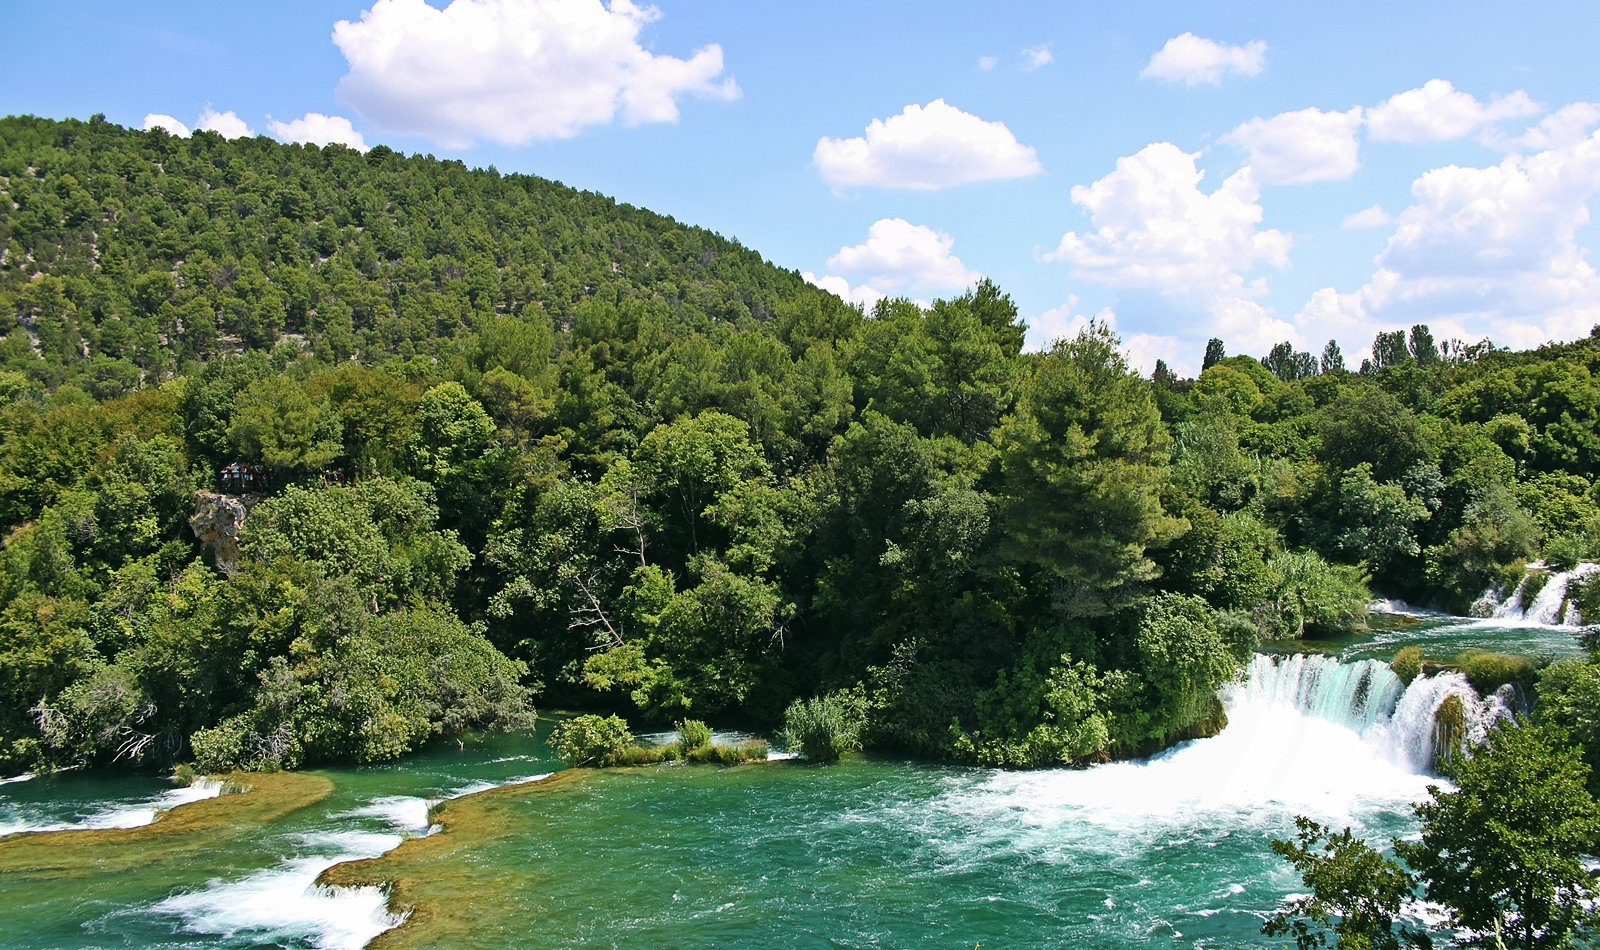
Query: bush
x=1585 y=593
x=1407 y=664
x=592 y=740
x=1489 y=671
x=822 y=728
x=693 y=735
x=1563 y=553
x=751 y=750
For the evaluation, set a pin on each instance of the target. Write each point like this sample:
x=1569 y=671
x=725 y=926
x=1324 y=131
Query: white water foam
x=285 y=903
x=1306 y=735
x=1547 y=608
x=122 y=815
x=24 y=777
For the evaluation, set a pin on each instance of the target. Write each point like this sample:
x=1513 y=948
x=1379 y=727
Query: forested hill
x=505 y=440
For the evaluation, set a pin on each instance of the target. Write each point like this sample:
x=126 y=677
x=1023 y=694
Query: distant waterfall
x=1550 y=606
x=1367 y=698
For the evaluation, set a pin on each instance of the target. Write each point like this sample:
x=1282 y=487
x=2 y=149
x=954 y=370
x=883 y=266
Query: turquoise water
x=872 y=852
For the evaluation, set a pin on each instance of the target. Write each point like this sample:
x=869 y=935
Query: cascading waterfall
x=1550 y=606
x=1395 y=720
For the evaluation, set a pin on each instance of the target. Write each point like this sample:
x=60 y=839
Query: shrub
x=751 y=750
x=1489 y=671
x=591 y=740
x=1563 y=553
x=822 y=728
x=693 y=735
x=1407 y=663
x=1585 y=593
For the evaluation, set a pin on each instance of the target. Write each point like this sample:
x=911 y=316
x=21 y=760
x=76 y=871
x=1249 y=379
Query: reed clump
x=1488 y=671
x=1407 y=663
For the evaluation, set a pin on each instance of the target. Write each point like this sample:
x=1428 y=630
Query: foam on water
x=1547 y=609
x=1306 y=735
x=119 y=815
x=284 y=903
x=24 y=777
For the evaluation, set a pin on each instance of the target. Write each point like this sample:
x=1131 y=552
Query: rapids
x=870 y=852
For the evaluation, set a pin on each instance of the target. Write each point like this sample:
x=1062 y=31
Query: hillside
x=514 y=439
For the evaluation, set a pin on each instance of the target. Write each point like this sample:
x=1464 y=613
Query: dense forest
x=504 y=440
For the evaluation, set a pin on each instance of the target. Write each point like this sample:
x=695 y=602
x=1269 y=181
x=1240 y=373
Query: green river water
x=871 y=852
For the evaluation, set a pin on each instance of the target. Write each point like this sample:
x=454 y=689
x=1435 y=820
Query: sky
x=1258 y=172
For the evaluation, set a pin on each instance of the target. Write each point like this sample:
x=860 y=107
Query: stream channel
x=873 y=852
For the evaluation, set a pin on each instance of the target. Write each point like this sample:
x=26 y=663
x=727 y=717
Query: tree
x=1215 y=353
x=1355 y=891
x=1503 y=851
x=1332 y=358
x=1389 y=349
x=1084 y=458
x=1422 y=347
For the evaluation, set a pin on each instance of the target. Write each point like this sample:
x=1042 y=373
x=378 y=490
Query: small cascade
x=1400 y=722
x=1549 y=607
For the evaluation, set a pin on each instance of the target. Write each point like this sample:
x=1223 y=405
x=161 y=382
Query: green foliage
x=693 y=735
x=1502 y=851
x=1407 y=663
x=822 y=728
x=591 y=740
x=1356 y=893
x=1307 y=594
x=1488 y=671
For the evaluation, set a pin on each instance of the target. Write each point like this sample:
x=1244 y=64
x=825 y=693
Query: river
x=871 y=852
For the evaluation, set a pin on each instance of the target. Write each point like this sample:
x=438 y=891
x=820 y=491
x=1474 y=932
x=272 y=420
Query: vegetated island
x=309 y=455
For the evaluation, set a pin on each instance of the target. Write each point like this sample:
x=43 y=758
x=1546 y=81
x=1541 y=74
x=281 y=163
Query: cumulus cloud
x=1141 y=349
x=1294 y=148
x=898 y=254
x=863 y=294
x=1485 y=251
x=1373 y=217
x=160 y=120
x=319 y=130
x=1567 y=125
x=225 y=124
x=1037 y=57
x=987 y=62
x=925 y=147
x=1438 y=112
x=514 y=70
x=1156 y=230
x=1192 y=60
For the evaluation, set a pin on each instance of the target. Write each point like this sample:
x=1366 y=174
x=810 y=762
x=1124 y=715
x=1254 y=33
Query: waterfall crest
x=1365 y=696
x=1549 y=605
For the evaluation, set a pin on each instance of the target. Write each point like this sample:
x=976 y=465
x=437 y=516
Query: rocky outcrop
x=216 y=523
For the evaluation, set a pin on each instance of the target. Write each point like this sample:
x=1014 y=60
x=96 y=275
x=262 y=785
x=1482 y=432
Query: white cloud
x=1193 y=60
x=319 y=130
x=1155 y=228
x=987 y=62
x=514 y=70
x=863 y=294
x=1142 y=349
x=1438 y=112
x=225 y=124
x=898 y=253
x=159 y=120
x=925 y=147
x=1484 y=251
x=1373 y=217
x=1566 y=126
x=1294 y=148
x=1037 y=57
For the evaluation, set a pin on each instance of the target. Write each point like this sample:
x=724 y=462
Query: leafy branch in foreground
x=1502 y=854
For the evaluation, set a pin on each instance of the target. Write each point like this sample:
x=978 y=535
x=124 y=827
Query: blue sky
x=1255 y=171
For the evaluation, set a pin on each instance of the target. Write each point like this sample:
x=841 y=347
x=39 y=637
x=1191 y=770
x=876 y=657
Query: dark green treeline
x=522 y=440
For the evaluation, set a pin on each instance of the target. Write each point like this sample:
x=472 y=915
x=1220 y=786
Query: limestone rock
x=216 y=523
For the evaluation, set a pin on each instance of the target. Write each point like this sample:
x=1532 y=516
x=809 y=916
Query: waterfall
x=1395 y=720
x=1550 y=606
